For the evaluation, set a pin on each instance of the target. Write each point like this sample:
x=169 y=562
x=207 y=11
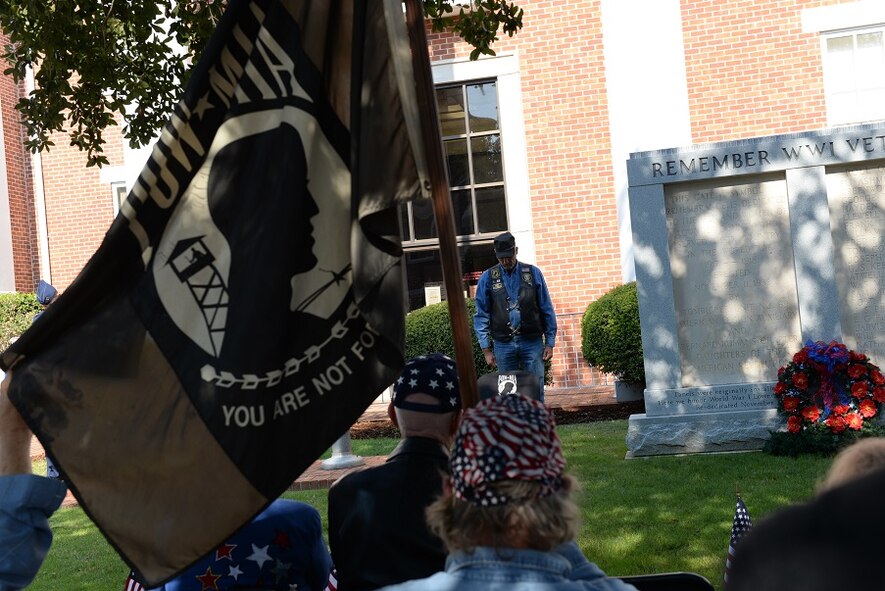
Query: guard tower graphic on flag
x=194 y=265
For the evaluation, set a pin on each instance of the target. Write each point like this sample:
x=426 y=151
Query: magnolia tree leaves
x=99 y=63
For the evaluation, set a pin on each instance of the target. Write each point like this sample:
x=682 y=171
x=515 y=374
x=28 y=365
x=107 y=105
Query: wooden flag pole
x=442 y=204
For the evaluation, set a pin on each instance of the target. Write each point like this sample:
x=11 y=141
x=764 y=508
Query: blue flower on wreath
x=829 y=354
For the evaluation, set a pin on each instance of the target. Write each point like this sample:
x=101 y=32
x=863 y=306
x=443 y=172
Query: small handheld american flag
x=132 y=584
x=740 y=527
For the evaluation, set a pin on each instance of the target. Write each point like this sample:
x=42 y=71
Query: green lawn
x=640 y=516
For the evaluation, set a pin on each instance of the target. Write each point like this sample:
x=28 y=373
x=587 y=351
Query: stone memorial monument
x=745 y=250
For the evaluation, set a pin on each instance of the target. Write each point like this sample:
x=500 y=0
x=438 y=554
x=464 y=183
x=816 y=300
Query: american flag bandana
x=505 y=438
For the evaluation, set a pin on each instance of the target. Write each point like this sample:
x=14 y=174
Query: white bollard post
x=342 y=456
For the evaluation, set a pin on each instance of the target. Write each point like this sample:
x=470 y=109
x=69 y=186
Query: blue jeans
x=522 y=353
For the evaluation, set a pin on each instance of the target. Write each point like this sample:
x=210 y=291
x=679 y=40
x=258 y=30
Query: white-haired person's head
x=426 y=398
x=508 y=488
x=858 y=459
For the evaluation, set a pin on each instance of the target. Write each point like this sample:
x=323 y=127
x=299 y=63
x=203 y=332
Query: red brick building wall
x=571 y=183
x=79 y=207
x=20 y=186
x=751 y=70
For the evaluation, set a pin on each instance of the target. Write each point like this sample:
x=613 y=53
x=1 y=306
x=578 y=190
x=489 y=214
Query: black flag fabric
x=246 y=305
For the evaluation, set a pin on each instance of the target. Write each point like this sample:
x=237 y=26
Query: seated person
x=506 y=514
x=282 y=548
x=377 y=531
x=832 y=543
x=26 y=501
x=856 y=460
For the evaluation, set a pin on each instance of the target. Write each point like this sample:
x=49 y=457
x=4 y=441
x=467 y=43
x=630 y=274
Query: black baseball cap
x=505 y=245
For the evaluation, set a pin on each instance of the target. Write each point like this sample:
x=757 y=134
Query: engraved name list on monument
x=734 y=285
x=857 y=217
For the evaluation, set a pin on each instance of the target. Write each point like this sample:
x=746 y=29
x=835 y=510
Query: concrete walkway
x=315 y=477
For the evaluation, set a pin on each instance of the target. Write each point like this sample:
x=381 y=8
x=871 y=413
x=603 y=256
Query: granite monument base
x=701 y=432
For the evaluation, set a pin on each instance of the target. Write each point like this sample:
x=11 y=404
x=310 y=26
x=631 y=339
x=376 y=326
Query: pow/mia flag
x=246 y=305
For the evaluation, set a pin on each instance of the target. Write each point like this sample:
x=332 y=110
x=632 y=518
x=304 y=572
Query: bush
x=17 y=311
x=818 y=440
x=611 y=339
x=429 y=330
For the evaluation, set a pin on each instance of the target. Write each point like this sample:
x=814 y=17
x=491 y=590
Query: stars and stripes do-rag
x=505 y=438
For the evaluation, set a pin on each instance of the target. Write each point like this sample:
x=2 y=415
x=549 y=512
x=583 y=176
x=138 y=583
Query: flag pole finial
x=737 y=488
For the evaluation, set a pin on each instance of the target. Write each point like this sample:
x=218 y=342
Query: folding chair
x=669 y=582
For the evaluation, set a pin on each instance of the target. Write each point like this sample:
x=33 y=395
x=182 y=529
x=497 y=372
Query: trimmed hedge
x=428 y=330
x=818 y=441
x=17 y=311
x=611 y=339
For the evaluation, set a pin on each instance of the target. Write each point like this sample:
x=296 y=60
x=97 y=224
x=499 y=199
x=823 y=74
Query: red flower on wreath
x=812 y=413
x=868 y=408
x=859 y=389
x=854 y=356
x=836 y=424
x=826 y=386
x=855 y=370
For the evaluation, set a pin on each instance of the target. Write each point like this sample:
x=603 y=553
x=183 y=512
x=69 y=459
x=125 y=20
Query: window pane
x=404 y=221
x=872 y=104
x=475 y=259
x=870 y=60
x=491 y=209
x=459 y=167
x=840 y=64
x=482 y=100
x=463 y=209
x=487 y=166
x=425 y=223
x=423 y=276
x=840 y=107
x=424 y=271
x=450 y=102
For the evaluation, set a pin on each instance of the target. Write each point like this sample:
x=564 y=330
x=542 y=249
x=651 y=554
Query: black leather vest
x=531 y=325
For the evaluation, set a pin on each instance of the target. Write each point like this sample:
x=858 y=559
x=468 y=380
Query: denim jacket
x=26 y=503
x=494 y=569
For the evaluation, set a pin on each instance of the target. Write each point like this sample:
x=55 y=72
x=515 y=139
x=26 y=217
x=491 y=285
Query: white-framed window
x=854 y=74
x=119 y=193
x=471 y=135
x=480 y=110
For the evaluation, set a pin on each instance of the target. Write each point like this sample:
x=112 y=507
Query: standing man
x=514 y=310
x=46 y=294
x=377 y=530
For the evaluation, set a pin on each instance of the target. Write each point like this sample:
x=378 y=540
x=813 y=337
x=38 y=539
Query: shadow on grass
x=673 y=513
x=640 y=516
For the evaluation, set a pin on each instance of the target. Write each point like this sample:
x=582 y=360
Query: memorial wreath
x=827 y=386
